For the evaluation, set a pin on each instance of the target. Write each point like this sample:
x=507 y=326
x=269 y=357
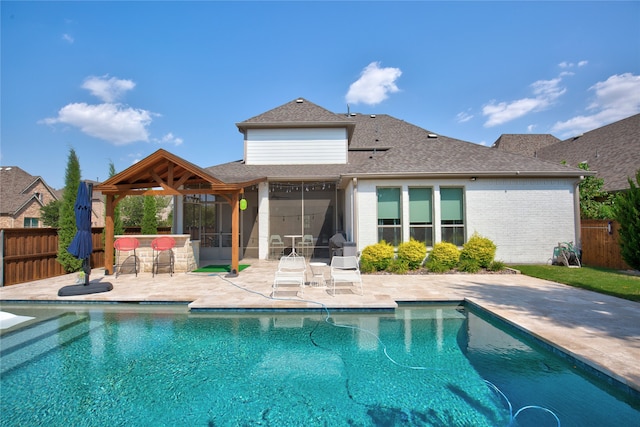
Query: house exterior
x=612 y=152
x=376 y=177
x=21 y=197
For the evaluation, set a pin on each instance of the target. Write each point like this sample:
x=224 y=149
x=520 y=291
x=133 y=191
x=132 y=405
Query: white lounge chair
x=345 y=269
x=291 y=270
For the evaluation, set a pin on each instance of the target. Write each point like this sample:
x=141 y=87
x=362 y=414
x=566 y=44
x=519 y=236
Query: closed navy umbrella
x=81 y=246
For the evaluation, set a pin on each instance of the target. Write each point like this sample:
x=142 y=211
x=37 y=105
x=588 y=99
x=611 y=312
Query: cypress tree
x=627 y=213
x=118 y=227
x=67 y=220
x=149 y=218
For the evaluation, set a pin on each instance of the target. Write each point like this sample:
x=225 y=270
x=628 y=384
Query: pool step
x=23 y=346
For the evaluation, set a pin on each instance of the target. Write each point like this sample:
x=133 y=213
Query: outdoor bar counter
x=183 y=252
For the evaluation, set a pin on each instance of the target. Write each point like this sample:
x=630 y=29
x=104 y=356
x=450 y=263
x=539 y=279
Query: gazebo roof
x=164 y=173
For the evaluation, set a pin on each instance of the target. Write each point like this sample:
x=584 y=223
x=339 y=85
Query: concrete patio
x=600 y=331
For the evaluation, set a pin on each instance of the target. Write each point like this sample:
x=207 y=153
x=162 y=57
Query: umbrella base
x=91 y=288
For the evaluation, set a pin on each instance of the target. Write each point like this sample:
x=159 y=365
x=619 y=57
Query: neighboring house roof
x=613 y=151
x=381 y=146
x=525 y=144
x=16 y=189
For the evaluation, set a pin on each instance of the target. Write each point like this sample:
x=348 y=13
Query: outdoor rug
x=219 y=268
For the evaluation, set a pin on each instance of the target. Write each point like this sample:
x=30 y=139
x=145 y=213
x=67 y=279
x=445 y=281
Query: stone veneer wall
x=184 y=259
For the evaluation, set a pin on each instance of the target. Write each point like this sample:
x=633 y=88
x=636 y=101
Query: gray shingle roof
x=383 y=145
x=14 y=189
x=612 y=150
x=299 y=111
x=525 y=144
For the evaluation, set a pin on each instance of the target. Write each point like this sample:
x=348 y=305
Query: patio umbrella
x=81 y=246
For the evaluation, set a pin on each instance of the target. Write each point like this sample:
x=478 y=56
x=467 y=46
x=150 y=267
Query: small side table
x=317 y=270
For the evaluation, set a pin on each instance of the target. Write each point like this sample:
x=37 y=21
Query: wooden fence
x=600 y=247
x=30 y=254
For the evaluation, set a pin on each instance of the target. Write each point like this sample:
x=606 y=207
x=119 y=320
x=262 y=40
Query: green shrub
x=366 y=266
x=398 y=266
x=469 y=266
x=479 y=249
x=378 y=256
x=443 y=257
x=496 y=266
x=413 y=253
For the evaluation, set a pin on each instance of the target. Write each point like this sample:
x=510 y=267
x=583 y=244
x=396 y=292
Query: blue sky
x=118 y=80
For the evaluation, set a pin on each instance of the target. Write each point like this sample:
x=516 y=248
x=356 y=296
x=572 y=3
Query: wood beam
x=235 y=232
x=108 y=234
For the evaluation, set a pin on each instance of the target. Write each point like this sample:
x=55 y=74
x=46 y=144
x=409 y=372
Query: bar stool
x=161 y=245
x=126 y=244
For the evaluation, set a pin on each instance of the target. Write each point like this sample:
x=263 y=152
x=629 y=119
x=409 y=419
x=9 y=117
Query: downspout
x=354 y=213
x=576 y=214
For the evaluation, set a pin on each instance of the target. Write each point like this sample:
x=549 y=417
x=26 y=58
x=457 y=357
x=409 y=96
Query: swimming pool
x=164 y=366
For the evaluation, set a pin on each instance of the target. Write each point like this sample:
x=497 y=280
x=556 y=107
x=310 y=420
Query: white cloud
x=107 y=89
x=374 y=85
x=530 y=128
x=565 y=64
x=546 y=93
x=169 y=138
x=616 y=98
x=68 y=38
x=110 y=122
x=463 y=117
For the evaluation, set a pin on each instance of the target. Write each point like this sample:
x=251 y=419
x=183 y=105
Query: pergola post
x=235 y=232
x=108 y=234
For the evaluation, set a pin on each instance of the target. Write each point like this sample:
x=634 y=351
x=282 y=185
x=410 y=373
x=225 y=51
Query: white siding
x=296 y=146
x=525 y=218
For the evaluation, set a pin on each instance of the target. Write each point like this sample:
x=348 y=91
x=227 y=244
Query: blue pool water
x=163 y=366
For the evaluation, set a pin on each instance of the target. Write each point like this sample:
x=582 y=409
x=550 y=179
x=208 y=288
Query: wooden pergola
x=165 y=174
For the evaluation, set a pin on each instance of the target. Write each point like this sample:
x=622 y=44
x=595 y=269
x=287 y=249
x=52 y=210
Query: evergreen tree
x=595 y=203
x=67 y=220
x=50 y=213
x=118 y=227
x=627 y=213
x=149 y=218
x=132 y=211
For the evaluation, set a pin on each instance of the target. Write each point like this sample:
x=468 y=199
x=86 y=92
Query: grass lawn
x=605 y=281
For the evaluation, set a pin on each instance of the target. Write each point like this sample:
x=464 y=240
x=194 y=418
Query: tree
x=50 y=213
x=595 y=203
x=118 y=227
x=149 y=218
x=67 y=221
x=627 y=213
x=132 y=211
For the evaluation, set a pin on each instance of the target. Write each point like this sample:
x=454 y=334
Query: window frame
x=30 y=223
x=385 y=226
x=455 y=230
x=415 y=227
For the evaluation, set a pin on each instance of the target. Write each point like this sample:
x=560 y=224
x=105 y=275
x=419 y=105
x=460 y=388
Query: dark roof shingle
x=612 y=150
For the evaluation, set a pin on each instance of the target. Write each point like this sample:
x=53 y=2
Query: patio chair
x=126 y=244
x=276 y=245
x=306 y=245
x=291 y=270
x=162 y=249
x=345 y=269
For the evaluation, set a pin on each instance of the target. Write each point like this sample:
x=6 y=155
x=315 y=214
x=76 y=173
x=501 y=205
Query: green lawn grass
x=605 y=281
